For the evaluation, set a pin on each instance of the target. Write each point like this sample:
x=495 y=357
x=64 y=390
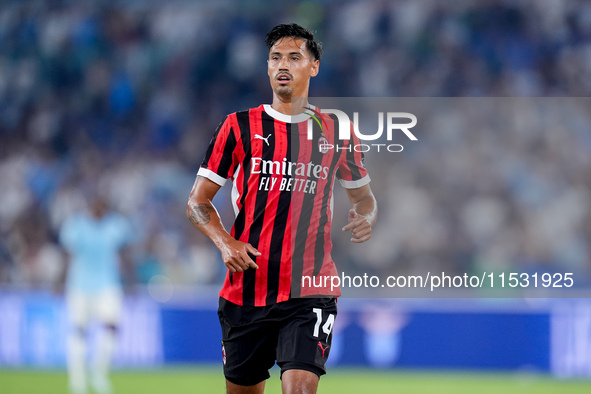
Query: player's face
x=290 y=67
x=99 y=207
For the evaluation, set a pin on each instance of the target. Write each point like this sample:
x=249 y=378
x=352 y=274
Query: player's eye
x=295 y=58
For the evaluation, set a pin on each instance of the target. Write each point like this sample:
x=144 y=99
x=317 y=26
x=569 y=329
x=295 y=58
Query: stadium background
x=126 y=96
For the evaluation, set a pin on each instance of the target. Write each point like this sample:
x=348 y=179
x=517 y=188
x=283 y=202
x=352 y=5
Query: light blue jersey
x=94 y=247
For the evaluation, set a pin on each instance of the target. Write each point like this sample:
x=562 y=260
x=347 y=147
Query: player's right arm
x=67 y=236
x=205 y=217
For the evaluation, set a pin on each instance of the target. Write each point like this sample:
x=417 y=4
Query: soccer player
x=282 y=193
x=95 y=243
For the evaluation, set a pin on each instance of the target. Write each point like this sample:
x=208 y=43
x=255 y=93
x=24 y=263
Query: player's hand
x=236 y=255
x=359 y=227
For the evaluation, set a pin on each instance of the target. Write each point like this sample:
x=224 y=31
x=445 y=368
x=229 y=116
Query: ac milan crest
x=323 y=145
x=223 y=353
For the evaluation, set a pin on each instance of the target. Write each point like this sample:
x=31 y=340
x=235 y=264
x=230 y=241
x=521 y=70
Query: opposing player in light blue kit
x=94 y=242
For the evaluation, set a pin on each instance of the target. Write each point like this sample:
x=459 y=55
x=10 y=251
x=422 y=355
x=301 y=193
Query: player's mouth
x=284 y=78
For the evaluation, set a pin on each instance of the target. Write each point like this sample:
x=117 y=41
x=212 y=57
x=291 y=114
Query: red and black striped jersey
x=282 y=198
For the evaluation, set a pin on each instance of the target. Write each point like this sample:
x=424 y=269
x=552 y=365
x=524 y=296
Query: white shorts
x=104 y=306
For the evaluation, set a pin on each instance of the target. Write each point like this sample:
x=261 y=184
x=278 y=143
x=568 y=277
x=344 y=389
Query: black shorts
x=295 y=333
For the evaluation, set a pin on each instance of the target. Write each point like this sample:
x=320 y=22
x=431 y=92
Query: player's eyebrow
x=279 y=53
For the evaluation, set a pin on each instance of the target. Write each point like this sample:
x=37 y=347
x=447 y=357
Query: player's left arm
x=127 y=269
x=363 y=215
x=127 y=237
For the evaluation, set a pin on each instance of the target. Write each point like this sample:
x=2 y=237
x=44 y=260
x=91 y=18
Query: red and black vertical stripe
x=279 y=246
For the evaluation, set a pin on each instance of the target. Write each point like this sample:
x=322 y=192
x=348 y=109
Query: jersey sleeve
x=220 y=160
x=351 y=170
x=122 y=231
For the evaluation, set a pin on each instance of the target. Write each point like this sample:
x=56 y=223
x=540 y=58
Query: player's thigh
x=79 y=307
x=305 y=337
x=107 y=306
x=248 y=344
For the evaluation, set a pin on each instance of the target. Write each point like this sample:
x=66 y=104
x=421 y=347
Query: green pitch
x=339 y=381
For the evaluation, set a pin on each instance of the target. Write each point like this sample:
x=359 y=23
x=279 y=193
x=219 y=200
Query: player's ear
x=315 y=68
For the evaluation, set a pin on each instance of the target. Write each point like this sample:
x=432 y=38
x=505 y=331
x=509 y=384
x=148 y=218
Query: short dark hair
x=296 y=31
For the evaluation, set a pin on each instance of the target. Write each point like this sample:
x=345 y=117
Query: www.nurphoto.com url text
x=442 y=280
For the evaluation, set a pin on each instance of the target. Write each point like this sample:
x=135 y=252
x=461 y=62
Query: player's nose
x=284 y=64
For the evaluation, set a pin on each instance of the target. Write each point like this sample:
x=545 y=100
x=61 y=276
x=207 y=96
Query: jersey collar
x=286 y=118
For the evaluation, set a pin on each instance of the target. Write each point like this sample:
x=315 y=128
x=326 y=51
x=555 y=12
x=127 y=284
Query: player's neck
x=97 y=216
x=289 y=105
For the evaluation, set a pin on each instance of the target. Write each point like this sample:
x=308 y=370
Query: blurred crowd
x=126 y=96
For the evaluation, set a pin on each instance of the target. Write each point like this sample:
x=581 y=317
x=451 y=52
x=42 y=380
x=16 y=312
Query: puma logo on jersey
x=322 y=348
x=260 y=137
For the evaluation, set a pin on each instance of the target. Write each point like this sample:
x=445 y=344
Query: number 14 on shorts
x=326 y=327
